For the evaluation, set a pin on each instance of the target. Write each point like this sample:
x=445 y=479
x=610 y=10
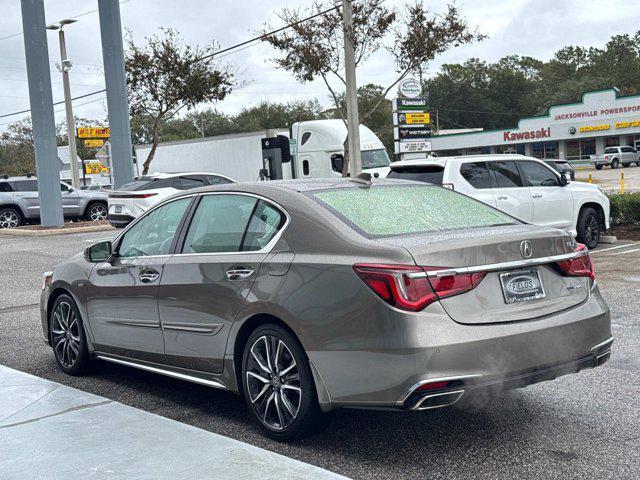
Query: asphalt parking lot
x=584 y=425
x=609 y=179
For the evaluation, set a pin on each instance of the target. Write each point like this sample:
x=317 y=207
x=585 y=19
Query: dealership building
x=571 y=131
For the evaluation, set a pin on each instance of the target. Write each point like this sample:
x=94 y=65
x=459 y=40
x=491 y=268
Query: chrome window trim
x=267 y=248
x=492 y=267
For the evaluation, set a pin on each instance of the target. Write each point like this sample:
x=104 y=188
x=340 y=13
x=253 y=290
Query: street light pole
x=353 y=120
x=64 y=67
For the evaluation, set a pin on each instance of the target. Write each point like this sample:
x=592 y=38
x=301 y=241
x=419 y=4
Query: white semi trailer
x=316 y=152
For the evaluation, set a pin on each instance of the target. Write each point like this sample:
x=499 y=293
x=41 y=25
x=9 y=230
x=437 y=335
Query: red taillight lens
x=408 y=288
x=581 y=266
x=396 y=285
x=132 y=195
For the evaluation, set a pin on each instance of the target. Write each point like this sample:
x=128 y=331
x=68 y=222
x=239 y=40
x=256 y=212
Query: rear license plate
x=118 y=208
x=521 y=286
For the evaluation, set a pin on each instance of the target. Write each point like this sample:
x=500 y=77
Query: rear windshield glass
x=147 y=183
x=427 y=173
x=611 y=150
x=391 y=210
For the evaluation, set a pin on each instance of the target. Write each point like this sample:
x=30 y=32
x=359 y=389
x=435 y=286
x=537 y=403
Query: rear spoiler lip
x=492 y=267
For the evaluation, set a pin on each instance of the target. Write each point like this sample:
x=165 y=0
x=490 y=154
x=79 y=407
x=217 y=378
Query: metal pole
x=71 y=124
x=41 y=100
x=115 y=82
x=353 y=120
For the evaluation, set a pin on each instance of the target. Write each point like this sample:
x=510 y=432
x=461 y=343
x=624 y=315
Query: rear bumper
x=119 y=221
x=416 y=399
x=427 y=347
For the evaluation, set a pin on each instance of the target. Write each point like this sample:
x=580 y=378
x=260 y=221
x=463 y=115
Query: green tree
x=166 y=76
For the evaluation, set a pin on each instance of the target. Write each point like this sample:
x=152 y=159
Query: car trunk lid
x=510 y=289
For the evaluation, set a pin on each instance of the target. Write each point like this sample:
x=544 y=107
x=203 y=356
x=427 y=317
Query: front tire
x=96 y=212
x=10 y=218
x=67 y=336
x=278 y=384
x=589 y=227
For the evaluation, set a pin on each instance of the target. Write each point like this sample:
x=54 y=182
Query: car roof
x=178 y=174
x=462 y=158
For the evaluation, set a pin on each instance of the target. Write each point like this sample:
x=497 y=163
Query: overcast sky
x=524 y=27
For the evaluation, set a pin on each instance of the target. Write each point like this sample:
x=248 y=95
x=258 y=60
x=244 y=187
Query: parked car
x=307 y=296
x=562 y=166
x=524 y=187
x=20 y=202
x=135 y=198
x=616 y=156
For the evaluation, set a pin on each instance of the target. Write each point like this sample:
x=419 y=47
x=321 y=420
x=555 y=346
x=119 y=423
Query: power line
x=219 y=52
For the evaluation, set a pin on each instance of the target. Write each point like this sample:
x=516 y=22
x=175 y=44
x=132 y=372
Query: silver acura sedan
x=307 y=296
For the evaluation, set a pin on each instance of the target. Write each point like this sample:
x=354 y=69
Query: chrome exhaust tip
x=438 y=400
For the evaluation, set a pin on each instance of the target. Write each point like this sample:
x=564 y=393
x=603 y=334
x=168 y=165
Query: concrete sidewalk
x=51 y=431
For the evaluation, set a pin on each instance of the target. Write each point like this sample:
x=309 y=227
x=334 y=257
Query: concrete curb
x=607 y=239
x=18 y=232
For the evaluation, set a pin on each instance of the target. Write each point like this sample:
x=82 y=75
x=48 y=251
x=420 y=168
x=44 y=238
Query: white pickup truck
x=616 y=156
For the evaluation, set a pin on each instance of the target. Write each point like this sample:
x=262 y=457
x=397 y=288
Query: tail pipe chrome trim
x=414 y=387
x=161 y=371
x=606 y=343
x=438 y=400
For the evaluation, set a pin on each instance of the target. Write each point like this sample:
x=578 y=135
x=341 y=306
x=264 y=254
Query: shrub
x=625 y=208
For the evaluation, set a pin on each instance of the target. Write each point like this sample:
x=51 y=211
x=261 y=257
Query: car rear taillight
x=132 y=195
x=580 y=266
x=407 y=287
x=433 y=386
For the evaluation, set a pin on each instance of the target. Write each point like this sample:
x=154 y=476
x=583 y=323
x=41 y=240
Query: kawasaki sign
x=509 y=136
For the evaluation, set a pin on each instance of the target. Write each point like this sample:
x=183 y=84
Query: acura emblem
x=526 y=250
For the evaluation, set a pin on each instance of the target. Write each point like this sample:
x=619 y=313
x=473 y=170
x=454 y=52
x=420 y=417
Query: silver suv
x=20 y=203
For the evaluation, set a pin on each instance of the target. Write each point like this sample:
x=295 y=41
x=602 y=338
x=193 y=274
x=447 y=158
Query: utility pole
x=116 y=84
x=41 y=100
x=64 y=67
x=353 y=120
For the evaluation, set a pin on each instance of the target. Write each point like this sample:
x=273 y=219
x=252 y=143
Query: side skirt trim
x=161 y=371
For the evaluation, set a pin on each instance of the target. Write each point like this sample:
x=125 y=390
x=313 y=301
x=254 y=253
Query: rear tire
x=589 y=227
x=615 y=163
x=67 y=336
x=638 y=163
x=10 y=218
x=626 y=165
x=284 y=405
x=598 y=167
x=96 y=212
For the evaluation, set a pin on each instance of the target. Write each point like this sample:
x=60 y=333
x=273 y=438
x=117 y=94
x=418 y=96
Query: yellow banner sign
x=93 y=143
x=417 y=118
x=594 y=128
x=634 y=124
x=95 y=168
x=93 y=132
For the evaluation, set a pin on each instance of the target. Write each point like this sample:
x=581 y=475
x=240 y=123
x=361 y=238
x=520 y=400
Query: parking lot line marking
x=627 y=251
x=613 y=248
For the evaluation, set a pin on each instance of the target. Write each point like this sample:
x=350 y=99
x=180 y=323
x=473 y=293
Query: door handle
x=536 y=195
x=149 y=276
x=502 y=197
x=239 y=273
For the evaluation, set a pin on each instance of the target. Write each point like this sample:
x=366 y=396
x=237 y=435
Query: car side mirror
x=337 y=162
x=98 y=252
x=565 y=178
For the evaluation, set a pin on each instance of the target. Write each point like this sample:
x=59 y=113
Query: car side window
x=216 y=180
x=305 y=138
x=537 y=175
x=477 y=174
x=265 y=222
x=26 y=186
x=627 y=150
x=5 y=187
x=219 y=224
x=63 y=187
x=189 y=182
x=506 y=174
x=159 y=183
x=153 y=234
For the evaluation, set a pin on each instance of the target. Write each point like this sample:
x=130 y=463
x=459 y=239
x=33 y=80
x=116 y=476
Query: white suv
x=133 y=199
x=523 y=187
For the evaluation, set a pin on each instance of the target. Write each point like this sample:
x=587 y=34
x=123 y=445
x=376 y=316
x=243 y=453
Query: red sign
x=530 y=135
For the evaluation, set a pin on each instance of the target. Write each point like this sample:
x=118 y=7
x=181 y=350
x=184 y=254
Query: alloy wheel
x=273 y=382
x=9 y=219
x=97 y=212
x=66 y=334
x=591 y=229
